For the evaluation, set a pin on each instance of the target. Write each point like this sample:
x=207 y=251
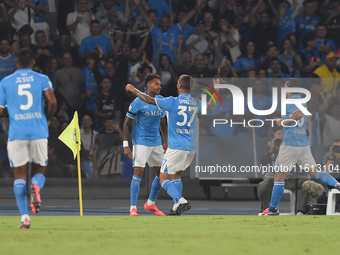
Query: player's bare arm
x=52 y=103
x=164 y=131
x=144 y=97
x=2 y=110
x=296 y=116
x=211 y=102
x=126 y=125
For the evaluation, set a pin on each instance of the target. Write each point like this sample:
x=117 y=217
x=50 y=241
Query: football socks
x=278 y=189
x=134 y=189
x=20 y=193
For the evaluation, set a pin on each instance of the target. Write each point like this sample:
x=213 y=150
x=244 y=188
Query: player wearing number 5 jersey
x=294 y=150
x=23 y=94
x=182 y=135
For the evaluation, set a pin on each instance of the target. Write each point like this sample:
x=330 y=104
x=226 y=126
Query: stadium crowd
x=90 y=49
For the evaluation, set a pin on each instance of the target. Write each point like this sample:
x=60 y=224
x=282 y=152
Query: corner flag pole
x=79 y=180
x=71 y=138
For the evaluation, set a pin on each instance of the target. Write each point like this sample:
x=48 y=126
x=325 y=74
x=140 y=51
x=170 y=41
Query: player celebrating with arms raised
x=146 y=143
x=294 y=150
x=23 y=93
x=182 y=136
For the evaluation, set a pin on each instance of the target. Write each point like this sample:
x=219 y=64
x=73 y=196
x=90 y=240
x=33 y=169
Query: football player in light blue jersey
x=23 y=94
x=294 y=150
x=182 y=114
x=147 y=143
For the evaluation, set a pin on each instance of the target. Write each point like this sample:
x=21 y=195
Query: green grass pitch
x=209 y=235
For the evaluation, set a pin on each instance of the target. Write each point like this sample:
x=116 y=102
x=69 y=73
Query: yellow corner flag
x=71 y=135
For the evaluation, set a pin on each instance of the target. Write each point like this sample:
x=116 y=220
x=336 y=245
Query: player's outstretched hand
x=127 y=152
x=130 y=88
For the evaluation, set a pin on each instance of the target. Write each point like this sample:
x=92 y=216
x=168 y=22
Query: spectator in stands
x=247 y=61
x=78 y=22
x=310 y=55
x=7 y=64
x=187 y=30
x=135 y=62
x=272 y=53
x=40 y=21
x=88 y=136
x=142 y=72
x=275 y=66
x=263 y=30
x=52 y=18
x=65 y=46
x=161 y=6
x=164 y=33
x=291 y=58
x=332 y=22
x=185 y=63
x=324 y=45
x=105 y=105
x=293 y=182
x=197 y=43
x=106 y=153
x=307 y=21
x=14 y=47
x=69 y=87
x=118 y=81
x=229 y=37
x=198 y=70
x=21 y=14
x=53 y=128
x=165 y=69
x=5 y=22
x=43 y=50
x=26 y=42
x=329 y=76
x=95 y=40
x=51 y=67
x=331 y=161
x=287 y=23
x=226 y=70
x=110 y=17
x=209 y=20
x=90 y=82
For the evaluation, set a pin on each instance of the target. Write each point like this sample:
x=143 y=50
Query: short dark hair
x=39 y=32
x=336 y=140
x=275 y=59
x=105 y=77
x=151 y=76
x=25 y=57
x=95 y=21
x=185 y=80
x=152 y=11
x=94 y=55
x=307 y=37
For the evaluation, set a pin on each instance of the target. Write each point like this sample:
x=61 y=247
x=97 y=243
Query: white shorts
x=176 y=160
x=22 y=151
x=142 y=154
x=289 y=156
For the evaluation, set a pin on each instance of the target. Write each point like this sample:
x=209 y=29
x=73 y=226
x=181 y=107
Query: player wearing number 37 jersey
x=182 y=114
x=23 y=94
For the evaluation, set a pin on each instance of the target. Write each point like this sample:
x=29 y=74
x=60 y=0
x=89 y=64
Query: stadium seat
x=331 y=202
x=292 y=202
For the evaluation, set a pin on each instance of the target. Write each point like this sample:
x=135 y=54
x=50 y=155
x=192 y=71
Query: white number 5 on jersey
x=28 y=94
